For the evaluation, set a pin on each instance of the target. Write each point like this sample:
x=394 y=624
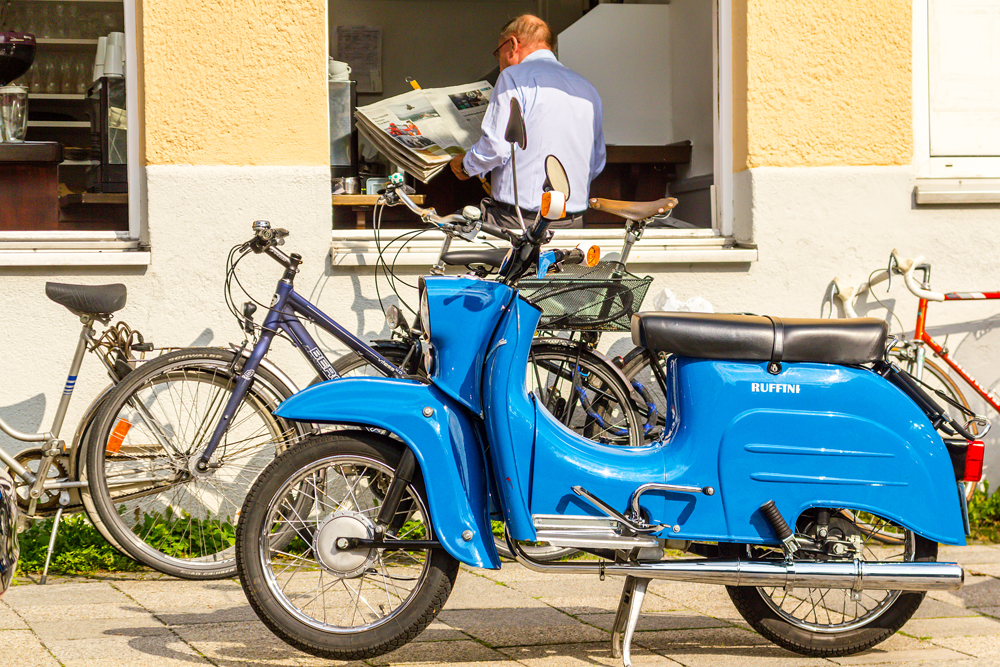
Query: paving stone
x=977 y=592
x=575 y=655
x=989 y=611
x=58 y=594
x=703 y=598
x=983 y=569
x=9 y=620
x=521 y=627
x=247 y=644
x=718 y=646
x=952 y=627
x=454 y=654
x=937 y=656
x=155 y=651
x=75 y=628
x=966 y=555
x=52 y=613
x=22 y=648
x=931 y=608
x=475 y=592
x=981 y=647
x=667 y=620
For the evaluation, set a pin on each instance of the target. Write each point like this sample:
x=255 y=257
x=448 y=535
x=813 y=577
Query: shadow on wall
x=25 y=416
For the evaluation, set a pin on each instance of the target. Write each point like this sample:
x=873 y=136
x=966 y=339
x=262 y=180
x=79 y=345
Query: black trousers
x=504 y=215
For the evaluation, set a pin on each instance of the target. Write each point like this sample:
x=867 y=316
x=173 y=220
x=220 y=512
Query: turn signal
x=974 y=461
x=593 y=255
x=553 y=205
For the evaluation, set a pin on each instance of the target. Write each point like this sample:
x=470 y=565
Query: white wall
x=437 y=42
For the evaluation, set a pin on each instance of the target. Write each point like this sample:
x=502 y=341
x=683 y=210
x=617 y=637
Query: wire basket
x=581 y=298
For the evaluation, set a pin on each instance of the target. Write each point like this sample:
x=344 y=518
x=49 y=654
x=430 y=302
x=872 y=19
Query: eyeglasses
x=496 y=54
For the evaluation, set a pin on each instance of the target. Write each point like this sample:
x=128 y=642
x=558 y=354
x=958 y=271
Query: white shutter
x=964 y=77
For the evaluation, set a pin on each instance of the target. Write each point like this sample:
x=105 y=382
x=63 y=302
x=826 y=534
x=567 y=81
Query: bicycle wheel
x=654 y=408
x=143 y=488
x=938 y=380
x=345 y=604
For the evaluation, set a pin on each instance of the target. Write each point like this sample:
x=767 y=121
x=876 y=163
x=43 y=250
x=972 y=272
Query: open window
x=86 y=192
x=653 y=63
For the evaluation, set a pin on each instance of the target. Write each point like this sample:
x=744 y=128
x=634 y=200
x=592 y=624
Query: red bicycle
x=911 y=353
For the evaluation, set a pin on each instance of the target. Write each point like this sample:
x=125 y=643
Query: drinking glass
x=13 y=113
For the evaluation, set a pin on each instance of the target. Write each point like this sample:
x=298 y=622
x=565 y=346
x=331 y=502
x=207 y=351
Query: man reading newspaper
x=562 y=115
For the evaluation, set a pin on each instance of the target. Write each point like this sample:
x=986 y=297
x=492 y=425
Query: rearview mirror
x=555 y=175
x=516 y=132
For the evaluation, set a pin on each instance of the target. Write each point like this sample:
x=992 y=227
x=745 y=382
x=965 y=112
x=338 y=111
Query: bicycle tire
x=940 y=380
x=654 y=407
x=608 y=397
x=168 y=519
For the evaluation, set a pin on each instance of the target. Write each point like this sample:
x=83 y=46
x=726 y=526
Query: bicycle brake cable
x=892 y=313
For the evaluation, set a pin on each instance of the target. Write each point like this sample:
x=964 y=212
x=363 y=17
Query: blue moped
x=798 y=468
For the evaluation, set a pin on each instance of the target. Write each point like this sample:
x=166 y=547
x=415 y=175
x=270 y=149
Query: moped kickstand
x=627 y=618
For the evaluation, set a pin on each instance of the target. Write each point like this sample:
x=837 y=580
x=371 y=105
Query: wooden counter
x=29 y=185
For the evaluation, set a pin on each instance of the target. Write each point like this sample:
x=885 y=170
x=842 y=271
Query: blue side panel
x=510 y=414
x=463 y=313
x=814 y=436
x=445 y=445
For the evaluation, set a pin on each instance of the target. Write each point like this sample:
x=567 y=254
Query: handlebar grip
x=911 y=283
x=574 y=256
x=497 y=231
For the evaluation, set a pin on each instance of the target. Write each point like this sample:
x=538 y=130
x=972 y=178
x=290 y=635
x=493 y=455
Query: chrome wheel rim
x=831 y=611
x=303 y=583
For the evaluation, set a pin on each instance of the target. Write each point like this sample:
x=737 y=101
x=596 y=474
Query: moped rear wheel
x=339 y=604
x=827 y=622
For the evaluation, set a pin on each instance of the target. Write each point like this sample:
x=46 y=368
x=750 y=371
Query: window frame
x=98 y=248
x=658 y=246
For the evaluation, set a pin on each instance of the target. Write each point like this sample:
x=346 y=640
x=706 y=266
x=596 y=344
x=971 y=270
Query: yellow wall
x=821 y=83
x=235 y=82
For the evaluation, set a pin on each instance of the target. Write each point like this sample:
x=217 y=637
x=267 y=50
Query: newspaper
x=423 y=129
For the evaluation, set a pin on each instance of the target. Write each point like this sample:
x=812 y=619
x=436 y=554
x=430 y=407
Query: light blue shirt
x=562 y=116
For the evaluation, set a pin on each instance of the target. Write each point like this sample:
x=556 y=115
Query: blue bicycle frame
x=284 y=315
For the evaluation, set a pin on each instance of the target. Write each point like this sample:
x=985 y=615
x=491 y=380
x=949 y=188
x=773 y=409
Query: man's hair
x=529 y=29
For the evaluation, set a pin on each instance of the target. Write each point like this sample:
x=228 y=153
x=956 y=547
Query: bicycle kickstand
x=52 y=544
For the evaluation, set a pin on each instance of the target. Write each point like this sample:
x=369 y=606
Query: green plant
x=984 y=514
x=182 y=535
x=79 y=548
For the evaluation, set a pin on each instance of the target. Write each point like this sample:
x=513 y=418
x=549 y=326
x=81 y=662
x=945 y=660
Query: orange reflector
x=593 y=255
x=118 y=435
x=974 y=461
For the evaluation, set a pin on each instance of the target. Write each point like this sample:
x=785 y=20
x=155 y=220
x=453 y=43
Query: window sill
x=71 y=249
x=658 y=246
x=957 y=191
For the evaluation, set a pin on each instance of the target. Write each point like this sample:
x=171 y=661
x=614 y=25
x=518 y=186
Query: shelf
x=57 y=96
x=59 y=123
x=78 y=163
x=52 y=41
x=367 y=200
x=94 y=198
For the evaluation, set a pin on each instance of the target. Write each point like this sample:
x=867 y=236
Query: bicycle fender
x=442 y=438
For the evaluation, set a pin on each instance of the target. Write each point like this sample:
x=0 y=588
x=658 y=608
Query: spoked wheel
x=145 y=492
x=346 y=604
x=833 y=622
x=654 y=408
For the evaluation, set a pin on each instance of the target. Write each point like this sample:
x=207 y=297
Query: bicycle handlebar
x=449 y=223
x=907 y=267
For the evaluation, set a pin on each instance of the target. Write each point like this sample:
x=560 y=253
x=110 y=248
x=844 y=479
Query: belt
x=525 y=213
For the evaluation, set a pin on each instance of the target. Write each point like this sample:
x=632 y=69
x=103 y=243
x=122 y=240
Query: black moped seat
x=491 y=257
x=756 y=338
x=88 y=299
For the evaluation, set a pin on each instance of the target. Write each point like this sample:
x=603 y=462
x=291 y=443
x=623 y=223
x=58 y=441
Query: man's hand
x=457 y=169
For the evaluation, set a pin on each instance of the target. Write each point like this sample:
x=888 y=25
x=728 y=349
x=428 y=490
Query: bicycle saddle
x=756 y=338
x=633 y=210
x=492 y=257
x=88 y=299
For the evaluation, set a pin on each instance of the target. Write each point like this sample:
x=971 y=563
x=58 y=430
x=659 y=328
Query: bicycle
x=190 y=431
x=911 y=353
x=51 y=477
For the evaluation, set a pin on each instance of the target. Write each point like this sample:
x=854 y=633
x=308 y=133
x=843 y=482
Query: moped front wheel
x=344 y=604
x=826 y=622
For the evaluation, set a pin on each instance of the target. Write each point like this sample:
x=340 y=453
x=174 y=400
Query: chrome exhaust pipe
x=854 y=575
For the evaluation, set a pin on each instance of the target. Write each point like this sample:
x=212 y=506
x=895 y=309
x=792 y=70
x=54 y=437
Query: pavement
x=511 y=617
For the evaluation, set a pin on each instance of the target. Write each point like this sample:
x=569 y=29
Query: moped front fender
x=442 y=437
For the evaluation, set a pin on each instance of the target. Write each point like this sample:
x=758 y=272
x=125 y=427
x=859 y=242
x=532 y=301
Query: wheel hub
x=346 y=563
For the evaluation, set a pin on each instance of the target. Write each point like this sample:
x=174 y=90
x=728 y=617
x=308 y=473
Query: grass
x=984 y=515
